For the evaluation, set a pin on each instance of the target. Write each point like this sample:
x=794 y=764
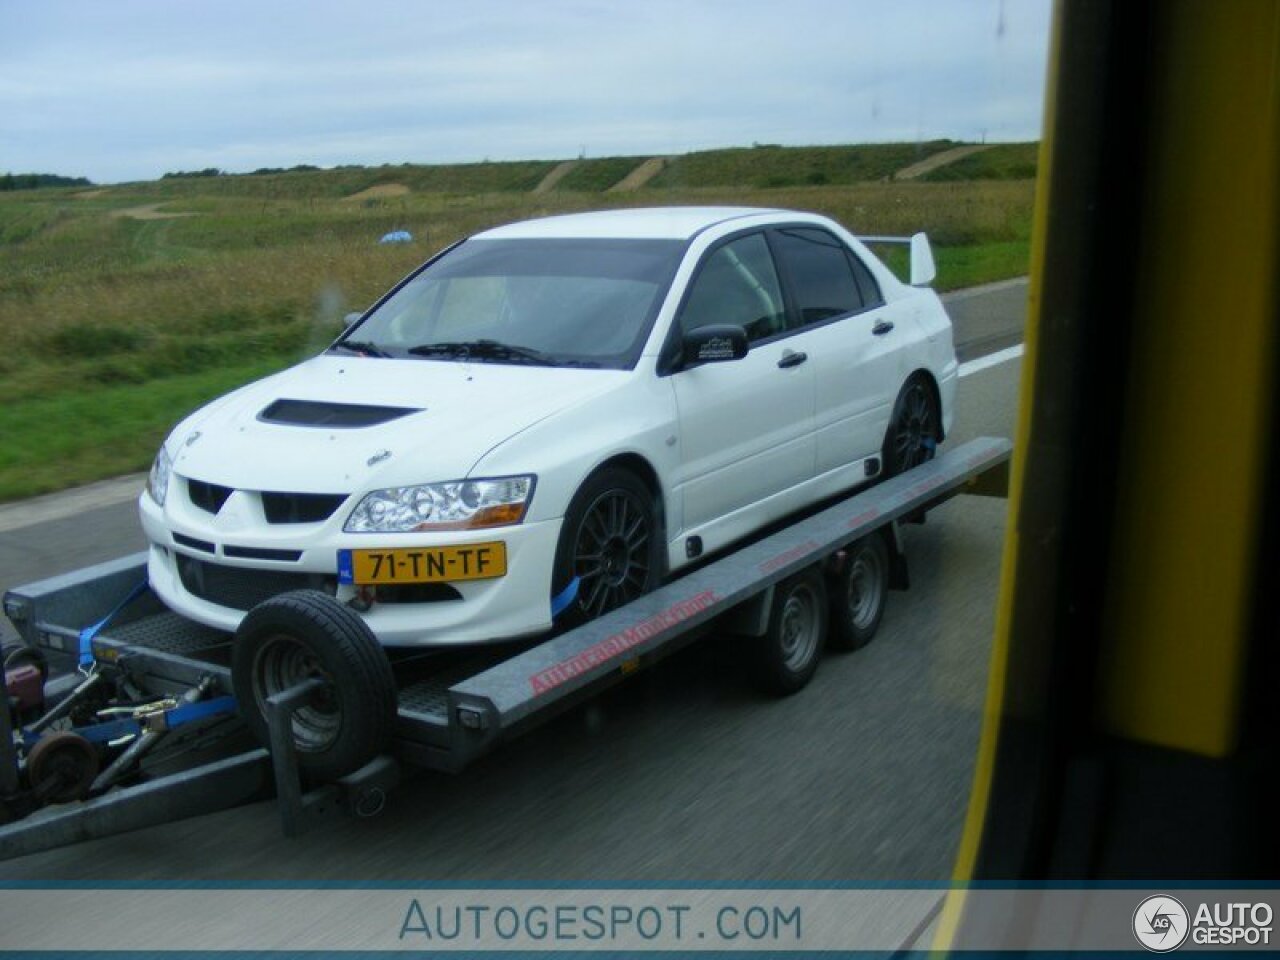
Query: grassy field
x=121 y=315
x=768 y=167
x=1003 y=161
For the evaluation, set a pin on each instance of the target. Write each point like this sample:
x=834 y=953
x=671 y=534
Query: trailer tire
x=305 y=633
x=785 y=658
x=858 y=593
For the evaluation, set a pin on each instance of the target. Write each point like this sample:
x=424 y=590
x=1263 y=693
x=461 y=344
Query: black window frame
x=789 y=283
x=862 y=272
x=669 y=355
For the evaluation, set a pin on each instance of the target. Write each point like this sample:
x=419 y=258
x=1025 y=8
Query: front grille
x=300 y=507
x=309 y=413
x=261 y=553
x=239 y=588
x=183 y=540
x=207 y=496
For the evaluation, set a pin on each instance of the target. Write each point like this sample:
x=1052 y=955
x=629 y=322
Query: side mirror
x=712 y=344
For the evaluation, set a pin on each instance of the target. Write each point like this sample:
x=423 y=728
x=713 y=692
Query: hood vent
x=310 y=413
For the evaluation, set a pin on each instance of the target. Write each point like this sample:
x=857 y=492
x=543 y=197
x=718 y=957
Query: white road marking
x=978 y=364
x=68 y=503
x=996 y=287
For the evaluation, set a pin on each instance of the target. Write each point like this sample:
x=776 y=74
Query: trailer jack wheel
x=786 y=657
x=61 y=767
x=304 y=635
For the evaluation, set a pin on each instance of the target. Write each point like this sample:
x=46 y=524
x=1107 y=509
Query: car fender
x=637 y=418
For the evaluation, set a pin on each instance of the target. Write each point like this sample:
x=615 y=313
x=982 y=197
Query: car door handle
x=792 y=359
x=881 y=328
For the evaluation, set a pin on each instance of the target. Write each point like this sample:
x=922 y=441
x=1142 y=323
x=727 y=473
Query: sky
x=130 y=89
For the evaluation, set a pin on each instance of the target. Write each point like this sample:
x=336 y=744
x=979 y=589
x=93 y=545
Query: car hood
x=283 y=433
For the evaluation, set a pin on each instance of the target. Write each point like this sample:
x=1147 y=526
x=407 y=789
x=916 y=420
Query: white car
x=549 y=418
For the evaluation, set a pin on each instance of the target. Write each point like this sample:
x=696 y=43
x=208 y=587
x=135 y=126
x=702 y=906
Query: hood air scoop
x=310 y=413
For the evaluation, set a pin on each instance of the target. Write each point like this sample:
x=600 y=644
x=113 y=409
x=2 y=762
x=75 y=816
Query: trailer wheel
x=304 y=634
x=61 y=767
x=786 y=657
x=859 y=592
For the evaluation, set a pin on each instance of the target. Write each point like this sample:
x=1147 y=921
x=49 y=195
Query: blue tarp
x=397 y=236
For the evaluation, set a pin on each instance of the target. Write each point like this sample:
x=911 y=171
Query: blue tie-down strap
x=560 y=602
x=186 y=713
x=95 y=732
x=88 y=633
x=174 y=717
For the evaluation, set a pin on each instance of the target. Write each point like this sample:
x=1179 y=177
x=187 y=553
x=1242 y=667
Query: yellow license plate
x=475 y=561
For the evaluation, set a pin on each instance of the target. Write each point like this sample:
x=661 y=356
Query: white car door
x=854 y=340
x=746 y=425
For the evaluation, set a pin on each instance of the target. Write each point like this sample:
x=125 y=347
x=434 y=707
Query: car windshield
x=549 y=302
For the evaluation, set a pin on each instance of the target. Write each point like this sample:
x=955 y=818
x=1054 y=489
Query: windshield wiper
x=483 y=350
x=360 y=346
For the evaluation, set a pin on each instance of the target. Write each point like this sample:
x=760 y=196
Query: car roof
x=675 y=223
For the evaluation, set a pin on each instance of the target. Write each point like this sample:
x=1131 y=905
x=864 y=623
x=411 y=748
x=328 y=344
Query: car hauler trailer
x=78 y=753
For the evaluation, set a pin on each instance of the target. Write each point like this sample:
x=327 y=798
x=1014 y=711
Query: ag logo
x=1161 y=923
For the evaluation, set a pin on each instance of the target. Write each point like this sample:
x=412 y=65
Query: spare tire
x=304 y=634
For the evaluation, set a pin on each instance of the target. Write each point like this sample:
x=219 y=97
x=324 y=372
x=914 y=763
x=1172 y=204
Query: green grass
x=769 y=167
x=79 y=436
x=116 y=327
x=463 y=178
x=1004 y=161
x=598 y=175
x=960 y=267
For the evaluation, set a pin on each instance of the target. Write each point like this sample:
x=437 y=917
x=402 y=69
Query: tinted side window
x=821 y=276
x=866 y=282
x=737 y=284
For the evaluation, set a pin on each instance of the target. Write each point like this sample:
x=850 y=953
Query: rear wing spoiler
x=922 y=268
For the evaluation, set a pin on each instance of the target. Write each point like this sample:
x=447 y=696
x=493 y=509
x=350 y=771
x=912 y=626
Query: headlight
x=457 y=505
x=158 y=481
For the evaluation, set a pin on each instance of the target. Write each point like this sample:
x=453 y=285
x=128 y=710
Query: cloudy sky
x=129 y=89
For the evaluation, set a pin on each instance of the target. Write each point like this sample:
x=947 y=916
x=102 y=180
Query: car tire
x=858 y=592
x=610 y=542
x=914 y=427
x=785 y=658
x=305 y=633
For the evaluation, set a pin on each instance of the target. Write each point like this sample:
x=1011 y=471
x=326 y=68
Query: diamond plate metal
x=169 y=633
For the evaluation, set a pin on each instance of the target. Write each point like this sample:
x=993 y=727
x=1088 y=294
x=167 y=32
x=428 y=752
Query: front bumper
x=508 y=607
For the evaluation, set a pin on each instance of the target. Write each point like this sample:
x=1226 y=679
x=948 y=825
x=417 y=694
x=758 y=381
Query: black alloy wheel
x=913 y=430
x=609 y=543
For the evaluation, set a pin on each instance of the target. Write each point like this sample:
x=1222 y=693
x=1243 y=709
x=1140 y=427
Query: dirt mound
x=557 y=173
x=380 y=191
x=939 y=160
x=641 y=175
x=149 y=211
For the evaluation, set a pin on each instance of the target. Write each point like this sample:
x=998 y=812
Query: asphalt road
x=681 y=774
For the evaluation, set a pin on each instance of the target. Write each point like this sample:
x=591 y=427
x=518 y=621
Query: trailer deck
x=467 y=705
